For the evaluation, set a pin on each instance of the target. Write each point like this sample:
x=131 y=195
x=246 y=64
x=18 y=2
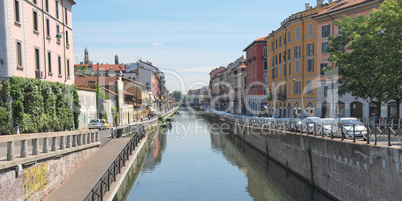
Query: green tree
x=371 y=65
x=102 y=98
x=177 y=95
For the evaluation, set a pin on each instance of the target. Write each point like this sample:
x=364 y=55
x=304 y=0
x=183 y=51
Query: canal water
x=194 y=160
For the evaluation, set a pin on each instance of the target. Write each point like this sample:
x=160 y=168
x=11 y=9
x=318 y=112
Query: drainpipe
x=64 y=41
x=44 y=41
x=302 y=56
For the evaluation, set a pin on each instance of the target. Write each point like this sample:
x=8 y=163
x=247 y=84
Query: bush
x=160 y=118
x=38 y=105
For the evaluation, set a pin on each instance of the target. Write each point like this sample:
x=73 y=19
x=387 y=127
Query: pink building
x=256 y=62
x=36 y=40
x=329 y=103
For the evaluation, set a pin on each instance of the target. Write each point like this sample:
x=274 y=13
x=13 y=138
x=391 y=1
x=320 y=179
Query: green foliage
x=160 y=118
x=371 y=66
x=177 y=95
x=5 y=109
x=39 y=106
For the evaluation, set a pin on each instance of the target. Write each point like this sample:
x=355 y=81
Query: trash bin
x=119 y=133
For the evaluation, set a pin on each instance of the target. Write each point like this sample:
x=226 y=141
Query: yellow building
x=292 y=65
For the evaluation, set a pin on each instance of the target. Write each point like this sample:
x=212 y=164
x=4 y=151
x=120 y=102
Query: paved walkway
x=82 y=181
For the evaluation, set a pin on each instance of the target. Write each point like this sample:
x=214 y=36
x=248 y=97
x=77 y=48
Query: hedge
x=38 y=106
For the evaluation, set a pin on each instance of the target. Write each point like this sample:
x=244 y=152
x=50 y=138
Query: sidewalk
x=82 y=181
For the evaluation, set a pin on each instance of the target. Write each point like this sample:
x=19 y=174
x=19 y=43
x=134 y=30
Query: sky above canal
x=185 y=39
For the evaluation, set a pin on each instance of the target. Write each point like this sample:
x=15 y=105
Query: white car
x=309 y=122
x=347 y=125
x=326 y=124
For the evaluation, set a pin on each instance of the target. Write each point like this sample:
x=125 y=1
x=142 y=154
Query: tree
x=102 y=98
x=177 y=95
x=371 y=66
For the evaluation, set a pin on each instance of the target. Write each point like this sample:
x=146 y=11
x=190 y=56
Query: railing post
x=45 y=145
x=97 y=136
x=332 y=132
x=62 y=143
x=368 y=133
x=389 y=136
x=74 y=140
x=375 y=135
x=10 y=151
x=354 y=134
x=79 y=139
x=54 y=144
x=35 y=146
x=342 y=137
x=24 y=146
x=315 y=128
x=68 y=141
x=84 y=138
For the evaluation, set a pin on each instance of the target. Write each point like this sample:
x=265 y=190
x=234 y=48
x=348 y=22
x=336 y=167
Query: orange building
x=292 y=69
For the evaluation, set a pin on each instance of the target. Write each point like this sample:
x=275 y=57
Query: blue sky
x=186 y=37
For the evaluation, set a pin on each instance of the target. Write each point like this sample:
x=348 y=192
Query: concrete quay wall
x=342 y=169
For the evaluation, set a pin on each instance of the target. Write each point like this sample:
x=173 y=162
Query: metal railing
x=109 y=176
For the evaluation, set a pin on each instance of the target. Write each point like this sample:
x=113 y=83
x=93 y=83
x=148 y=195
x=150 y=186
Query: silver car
x=347 y=125
x=96 y=124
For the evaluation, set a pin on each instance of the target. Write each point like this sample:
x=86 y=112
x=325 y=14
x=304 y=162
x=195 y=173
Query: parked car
x=106 y=124
x=96 y=124
x=308 y=122
x=325 y=124
x=295 y=124
x=347 y=127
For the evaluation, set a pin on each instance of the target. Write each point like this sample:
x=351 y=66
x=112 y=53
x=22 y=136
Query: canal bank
x=344 y=170
x=191 y=161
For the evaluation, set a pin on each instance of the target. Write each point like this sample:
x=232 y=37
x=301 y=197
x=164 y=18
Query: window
x=310 y=49
x=37 y=59
x=47 y=28
x=34 y=1
x=265 y=51
x=297 y=67
x=325 y=47
x=265 y=78
x=17 y=11
x=280 y=41
x=325 y=91
x=19 y=54
x=279 y=69
x=326 y=31
x=47 y=5
x=57 y=9
x=297 y=87
x=284 y=70
x=68 y=68
x=276 y=72
x=284 y=38
x=276 y=59
x=288 y=53
x=310 y=65
x=289 y=69
x=280 y=57
x=35 y=21
x=289 y=36
x=297 y=33
x=341 y=48
x=309 y=85
x=66 y=15
x=276 y=44
x=310 y=30
x=67 y=37
x=59 y=64
x=265 y=65
x=49 y=62
x=284 y=55
x=297 y=51
x=272 y=46
x=272 y=61
x=323 y=65
x=272 y=73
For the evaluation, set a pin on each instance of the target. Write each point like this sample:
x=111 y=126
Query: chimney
x=307 y=5
x=320 y=3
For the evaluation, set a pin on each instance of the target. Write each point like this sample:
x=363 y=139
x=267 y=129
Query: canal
x=194 y=160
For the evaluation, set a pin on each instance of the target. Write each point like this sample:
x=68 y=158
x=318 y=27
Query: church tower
x=116 y=60
x=86 y=56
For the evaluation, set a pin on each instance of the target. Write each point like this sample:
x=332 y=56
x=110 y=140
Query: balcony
x=282 y=97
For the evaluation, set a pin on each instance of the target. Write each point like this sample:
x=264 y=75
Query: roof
x=257 y=41
x=243 y=66
x=104 y=81
x=109 y=91
x=105 y=67
x=339 y=5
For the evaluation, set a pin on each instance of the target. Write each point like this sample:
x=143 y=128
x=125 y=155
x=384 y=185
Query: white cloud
x=156 y=44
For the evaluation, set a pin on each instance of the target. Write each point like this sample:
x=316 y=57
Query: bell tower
x=116 y=60
x=86 y=56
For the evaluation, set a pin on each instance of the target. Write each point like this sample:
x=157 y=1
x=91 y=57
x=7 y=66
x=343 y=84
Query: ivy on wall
x=41 y=106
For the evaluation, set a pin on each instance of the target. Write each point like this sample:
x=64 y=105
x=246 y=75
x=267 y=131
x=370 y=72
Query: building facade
x=256 y=62
x=36 y=40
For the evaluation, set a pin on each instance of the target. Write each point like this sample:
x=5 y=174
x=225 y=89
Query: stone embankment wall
x=36 y=180
x=342 y=169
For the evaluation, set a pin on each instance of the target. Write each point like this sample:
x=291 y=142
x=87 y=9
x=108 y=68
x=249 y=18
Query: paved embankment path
x=82 y=181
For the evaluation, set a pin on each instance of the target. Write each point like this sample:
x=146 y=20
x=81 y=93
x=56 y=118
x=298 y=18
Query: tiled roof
x=259 y=40
x=341 y=5
x=243 y=66
x=105 y=67
x=104 y=81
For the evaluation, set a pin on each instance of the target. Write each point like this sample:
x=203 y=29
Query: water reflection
x=266 y=180
x=188 y=161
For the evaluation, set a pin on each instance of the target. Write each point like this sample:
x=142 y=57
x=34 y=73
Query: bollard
x=112 y=133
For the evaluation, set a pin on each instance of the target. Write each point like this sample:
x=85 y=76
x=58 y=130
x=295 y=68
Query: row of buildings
x=36 y=41
x=283 y=71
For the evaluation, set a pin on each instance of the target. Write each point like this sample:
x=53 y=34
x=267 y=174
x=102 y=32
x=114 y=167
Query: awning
x=264 y=106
